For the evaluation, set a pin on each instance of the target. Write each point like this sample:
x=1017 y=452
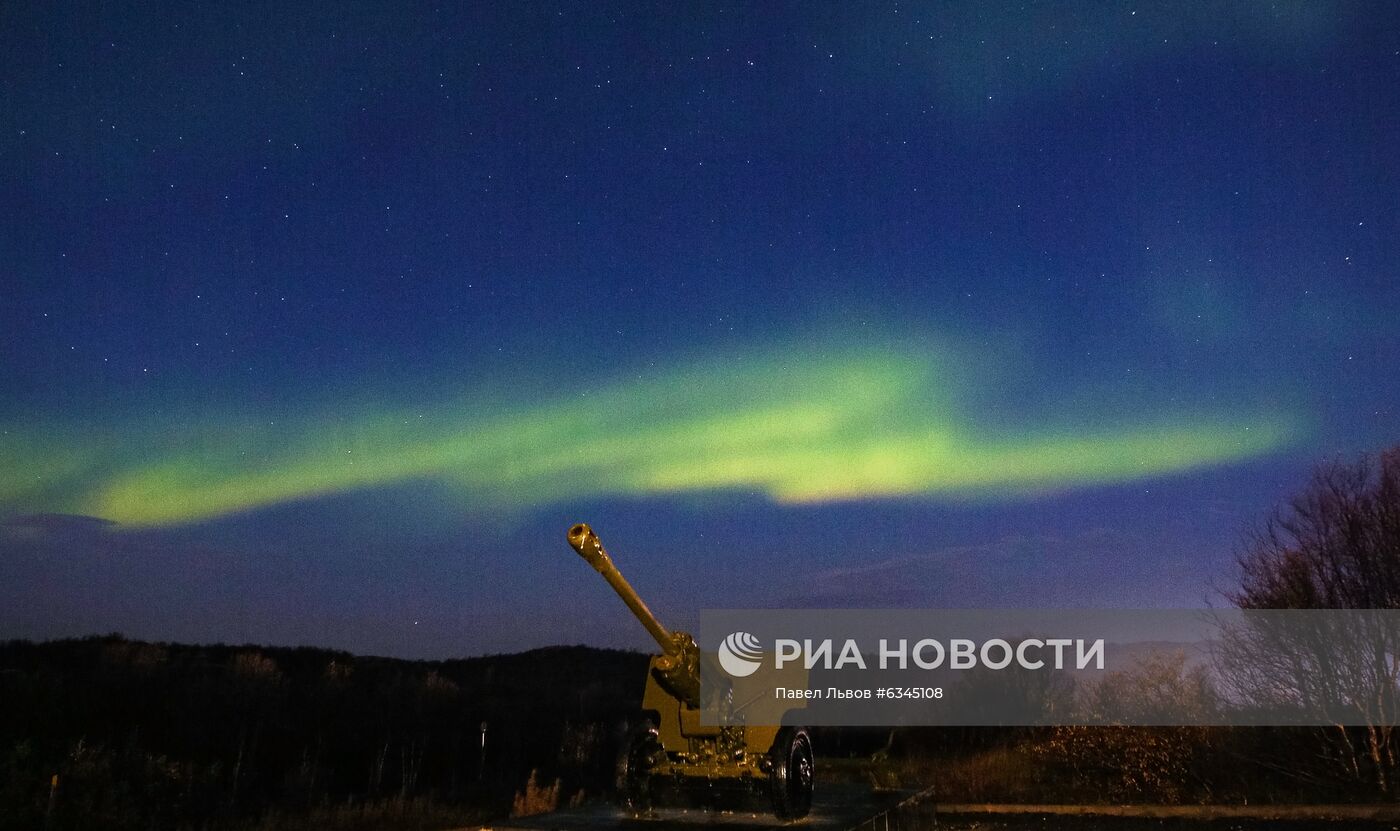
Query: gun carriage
x=670 y=749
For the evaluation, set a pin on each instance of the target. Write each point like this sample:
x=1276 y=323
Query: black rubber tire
x=792 y=772
x=633 y=781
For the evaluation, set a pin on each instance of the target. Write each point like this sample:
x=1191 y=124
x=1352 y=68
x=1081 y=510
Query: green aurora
x=795 y=426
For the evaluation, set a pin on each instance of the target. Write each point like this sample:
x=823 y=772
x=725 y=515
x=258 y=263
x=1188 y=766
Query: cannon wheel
x=790 y=778
x=634 y=761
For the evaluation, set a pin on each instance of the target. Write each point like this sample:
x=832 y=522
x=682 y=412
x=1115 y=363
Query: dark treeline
x=154 y=735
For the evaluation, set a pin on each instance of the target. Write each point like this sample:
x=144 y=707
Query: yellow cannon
x=671 y=748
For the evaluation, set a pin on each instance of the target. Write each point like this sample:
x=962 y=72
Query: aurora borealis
x=321 y=326
x=847 y=427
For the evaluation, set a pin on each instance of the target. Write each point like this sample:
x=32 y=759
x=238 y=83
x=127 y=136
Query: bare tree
x=1336 y=545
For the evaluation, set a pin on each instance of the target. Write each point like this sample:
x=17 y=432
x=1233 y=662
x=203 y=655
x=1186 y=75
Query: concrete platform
x=987 y=817
x=836 y=807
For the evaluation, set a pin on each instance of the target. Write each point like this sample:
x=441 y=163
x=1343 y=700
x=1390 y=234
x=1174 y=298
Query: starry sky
x=321 y=325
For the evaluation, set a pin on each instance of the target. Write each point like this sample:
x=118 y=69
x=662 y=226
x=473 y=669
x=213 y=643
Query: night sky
x=320 y=324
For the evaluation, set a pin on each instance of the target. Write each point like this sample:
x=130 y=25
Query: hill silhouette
x=146 y=734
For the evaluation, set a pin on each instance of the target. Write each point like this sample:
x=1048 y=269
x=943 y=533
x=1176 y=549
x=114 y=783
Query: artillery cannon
x=671 y=748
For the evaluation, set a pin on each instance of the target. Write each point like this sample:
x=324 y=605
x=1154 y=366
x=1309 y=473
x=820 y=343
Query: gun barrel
x=586 y=543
